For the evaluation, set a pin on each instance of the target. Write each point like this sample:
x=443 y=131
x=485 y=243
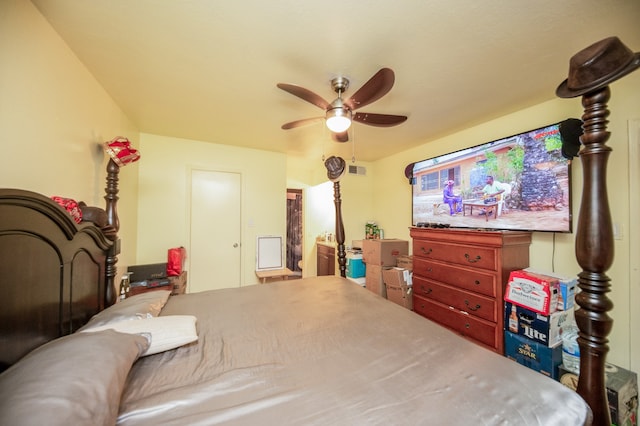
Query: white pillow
x=168 y=332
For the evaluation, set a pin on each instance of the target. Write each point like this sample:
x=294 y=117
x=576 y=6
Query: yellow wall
x=356 y=194
x=551 y=252
x=164 y=195
x=53 y=117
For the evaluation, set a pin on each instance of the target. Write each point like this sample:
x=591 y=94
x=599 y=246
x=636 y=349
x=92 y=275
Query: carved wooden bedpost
x=111 y=197
x=590 y=72
x=336 y=167
x=342 y=257
x=594 y=253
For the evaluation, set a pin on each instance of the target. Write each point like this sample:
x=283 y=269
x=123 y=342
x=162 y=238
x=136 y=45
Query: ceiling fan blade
x=305 y=94
x=340 y=137
x=379 y=120
x=377 y=86
x=300 y=123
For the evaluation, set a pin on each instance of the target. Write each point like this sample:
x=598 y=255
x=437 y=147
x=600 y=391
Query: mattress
x=323 y=350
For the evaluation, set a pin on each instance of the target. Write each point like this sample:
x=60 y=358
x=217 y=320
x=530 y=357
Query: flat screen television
x=529 y=170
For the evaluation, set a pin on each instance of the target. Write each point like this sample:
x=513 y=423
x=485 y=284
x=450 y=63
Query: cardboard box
x=383 y=252
x=179 y=283
x=405 y=261
x=374 y=281
x=533 y=291
x=622 y=392
x=536 y=356
x=397 y=282
x=568 y=288
x=355 y=265
x=151 y=271
x=545 y=329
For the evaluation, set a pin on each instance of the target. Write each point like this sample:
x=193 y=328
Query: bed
x=318 y=350
x=313 y=351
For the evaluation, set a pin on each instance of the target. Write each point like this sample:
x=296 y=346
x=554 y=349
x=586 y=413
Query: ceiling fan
x=340 y=113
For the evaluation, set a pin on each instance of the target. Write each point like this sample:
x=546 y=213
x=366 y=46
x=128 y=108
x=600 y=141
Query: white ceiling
x=208 y=69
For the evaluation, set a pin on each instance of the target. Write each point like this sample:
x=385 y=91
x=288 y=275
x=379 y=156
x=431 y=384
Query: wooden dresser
x=459 y=278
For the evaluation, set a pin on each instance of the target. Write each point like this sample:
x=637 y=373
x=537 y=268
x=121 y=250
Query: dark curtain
x=294 y=231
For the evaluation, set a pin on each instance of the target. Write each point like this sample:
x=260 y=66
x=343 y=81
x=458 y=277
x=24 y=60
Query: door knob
x=235 y=245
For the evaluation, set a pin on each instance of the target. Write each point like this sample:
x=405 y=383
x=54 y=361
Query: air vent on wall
x=357 y=170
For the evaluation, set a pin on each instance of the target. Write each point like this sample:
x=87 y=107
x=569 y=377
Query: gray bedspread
x=325 y=351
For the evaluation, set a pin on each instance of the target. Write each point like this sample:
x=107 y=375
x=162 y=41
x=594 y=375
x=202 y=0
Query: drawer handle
x=477 y=282
x=424 y=251
x=467 y=325
x=425 y=290
x=477 y=259
x=471 y=308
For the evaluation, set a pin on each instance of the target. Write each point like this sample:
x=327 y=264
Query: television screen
x=522 y=182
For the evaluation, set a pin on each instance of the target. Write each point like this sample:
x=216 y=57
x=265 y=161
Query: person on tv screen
x=492 y=190
x=454 y=201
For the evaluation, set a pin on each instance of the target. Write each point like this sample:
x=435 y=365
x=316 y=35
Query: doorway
x=294 y=232
x=214 y=253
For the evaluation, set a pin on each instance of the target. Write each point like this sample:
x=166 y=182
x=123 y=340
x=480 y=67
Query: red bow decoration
x=121 y=151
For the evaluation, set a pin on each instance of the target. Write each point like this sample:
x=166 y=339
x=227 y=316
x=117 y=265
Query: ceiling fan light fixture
x=338 y=119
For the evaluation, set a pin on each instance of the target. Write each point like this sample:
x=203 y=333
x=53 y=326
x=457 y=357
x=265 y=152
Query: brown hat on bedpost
x=597 y=66
x=336 y=166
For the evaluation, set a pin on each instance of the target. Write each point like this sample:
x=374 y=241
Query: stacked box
x=397 y=282
x=535 y=355
x=383 y=252
x=379 y=254
x=374 y=281
x=405 y=261
x=533 y=291
x=622 y=392
x=567 y=289
x=545 y=329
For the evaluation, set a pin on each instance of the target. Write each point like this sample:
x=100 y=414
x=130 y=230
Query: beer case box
x=383 y=252
x=545 y=329
x=535 y=355
x=622 y=392
x=567 y=289
x=533 y=291
x=374 y=281
x=397 y=282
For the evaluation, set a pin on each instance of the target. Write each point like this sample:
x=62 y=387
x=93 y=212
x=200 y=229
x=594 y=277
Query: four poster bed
x=313 y=351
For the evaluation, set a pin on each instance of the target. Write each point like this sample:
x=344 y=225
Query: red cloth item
x=175 y=261
x=121 y=151
x=71 y=206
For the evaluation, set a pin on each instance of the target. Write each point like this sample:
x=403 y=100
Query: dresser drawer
x=472 y=256
x=473 y=280
x=475 y=328
x=473 y=304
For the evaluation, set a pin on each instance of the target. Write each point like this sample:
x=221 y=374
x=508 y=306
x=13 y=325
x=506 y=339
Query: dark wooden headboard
x=54 y=274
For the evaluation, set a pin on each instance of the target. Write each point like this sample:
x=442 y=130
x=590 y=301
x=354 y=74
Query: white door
x=214 y=255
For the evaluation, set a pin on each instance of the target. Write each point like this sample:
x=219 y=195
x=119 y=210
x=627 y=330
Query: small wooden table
x=274 y=273
x=489 y=208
